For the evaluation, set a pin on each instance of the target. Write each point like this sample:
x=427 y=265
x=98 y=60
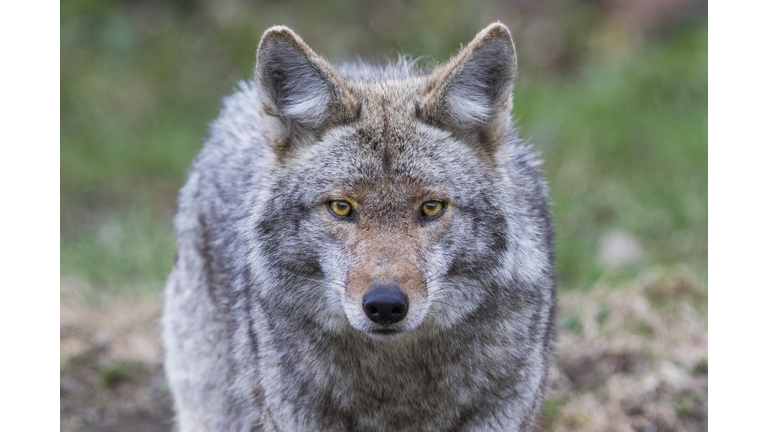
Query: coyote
x=363 y=248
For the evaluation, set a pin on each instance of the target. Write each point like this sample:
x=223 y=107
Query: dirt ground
x=111 y=368
x=632 y=358
x=628 y=358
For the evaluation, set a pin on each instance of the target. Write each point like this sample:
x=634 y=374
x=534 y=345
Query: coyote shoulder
x=363 y=248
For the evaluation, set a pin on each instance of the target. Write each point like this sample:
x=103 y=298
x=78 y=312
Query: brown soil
x=111 y=369
x=632 y=358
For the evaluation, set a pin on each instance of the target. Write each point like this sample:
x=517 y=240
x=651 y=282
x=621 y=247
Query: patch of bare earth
x=631 y=358
x=111 y=368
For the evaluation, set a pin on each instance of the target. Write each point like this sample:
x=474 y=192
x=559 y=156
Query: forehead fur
x=417 y=162
x=388 y=108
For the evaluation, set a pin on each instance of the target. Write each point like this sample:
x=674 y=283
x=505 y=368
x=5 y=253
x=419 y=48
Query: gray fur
x=263 y=328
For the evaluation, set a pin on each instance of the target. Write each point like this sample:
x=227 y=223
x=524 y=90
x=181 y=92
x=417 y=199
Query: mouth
x=385 y=331
x=385 y=334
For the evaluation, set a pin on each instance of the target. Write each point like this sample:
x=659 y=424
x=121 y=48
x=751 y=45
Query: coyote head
x=384 y=206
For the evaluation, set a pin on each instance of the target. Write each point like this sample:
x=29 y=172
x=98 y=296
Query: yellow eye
x=340 y=208
x=432 y=209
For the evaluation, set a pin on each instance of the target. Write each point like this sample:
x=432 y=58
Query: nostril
x=385 y=304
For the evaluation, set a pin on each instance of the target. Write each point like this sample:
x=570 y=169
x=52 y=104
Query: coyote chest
x=363 y=248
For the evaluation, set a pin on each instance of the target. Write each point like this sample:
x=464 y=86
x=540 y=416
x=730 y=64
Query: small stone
x=101 y=341
x=68 y=385
x=619 y=248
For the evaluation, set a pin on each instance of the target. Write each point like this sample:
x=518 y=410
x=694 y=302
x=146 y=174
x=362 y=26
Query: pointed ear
x=300 y=93
x=471 y=95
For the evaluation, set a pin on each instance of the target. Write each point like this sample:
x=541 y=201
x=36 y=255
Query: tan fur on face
x=384 y=258
x=386 y=241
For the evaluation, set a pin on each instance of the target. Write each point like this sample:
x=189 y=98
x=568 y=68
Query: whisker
x=318 y=281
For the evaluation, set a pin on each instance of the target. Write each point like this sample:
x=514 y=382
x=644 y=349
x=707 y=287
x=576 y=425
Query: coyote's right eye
x=432 y=209
x=340 y=208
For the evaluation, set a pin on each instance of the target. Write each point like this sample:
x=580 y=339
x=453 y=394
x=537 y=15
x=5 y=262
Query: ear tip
x=500 y=32
x=278 y=33
x=276 y=41
x=497 y=30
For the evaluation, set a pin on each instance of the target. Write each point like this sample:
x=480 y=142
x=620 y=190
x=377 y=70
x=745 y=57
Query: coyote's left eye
x=432 y=209
x=340 y=208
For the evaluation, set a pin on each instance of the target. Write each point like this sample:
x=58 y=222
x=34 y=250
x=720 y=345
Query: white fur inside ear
x=306 y=95
x=469 y=103
x=294 y=84
x=482 y=84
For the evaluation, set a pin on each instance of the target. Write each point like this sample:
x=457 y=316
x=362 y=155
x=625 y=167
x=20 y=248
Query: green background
x=613 y=94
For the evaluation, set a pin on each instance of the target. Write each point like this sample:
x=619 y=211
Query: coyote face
x=385 y=194
x=385 y=226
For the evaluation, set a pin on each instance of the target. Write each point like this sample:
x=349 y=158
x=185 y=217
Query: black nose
x=385 y=304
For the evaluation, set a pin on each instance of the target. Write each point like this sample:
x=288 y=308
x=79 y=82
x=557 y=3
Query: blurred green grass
x=625 y=145
x=622 y=126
